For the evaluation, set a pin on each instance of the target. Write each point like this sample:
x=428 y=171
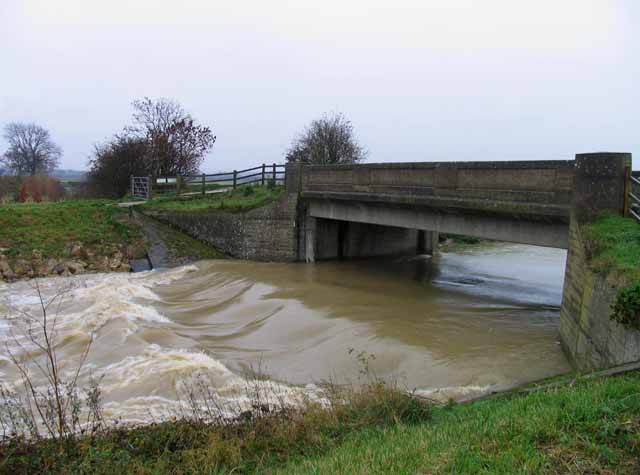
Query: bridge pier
x=427 y=242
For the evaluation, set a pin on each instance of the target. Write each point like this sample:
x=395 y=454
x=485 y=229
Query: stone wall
x=589 y=337
x=268 y=233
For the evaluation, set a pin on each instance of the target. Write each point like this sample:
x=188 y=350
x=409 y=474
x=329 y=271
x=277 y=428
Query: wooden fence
x=208 y=183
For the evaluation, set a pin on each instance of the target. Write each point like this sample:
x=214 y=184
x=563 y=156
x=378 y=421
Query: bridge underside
x=548 y=233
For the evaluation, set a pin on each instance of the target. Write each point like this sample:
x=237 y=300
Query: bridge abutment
x=590 y=338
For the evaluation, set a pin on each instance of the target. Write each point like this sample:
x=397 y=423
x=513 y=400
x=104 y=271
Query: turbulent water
x=456 y=325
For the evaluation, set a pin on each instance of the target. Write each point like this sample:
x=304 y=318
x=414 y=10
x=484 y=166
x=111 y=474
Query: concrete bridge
x=376 y=209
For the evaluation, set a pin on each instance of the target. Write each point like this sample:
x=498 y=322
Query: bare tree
x=31 y=149
x=176 y=143
x=328 y=140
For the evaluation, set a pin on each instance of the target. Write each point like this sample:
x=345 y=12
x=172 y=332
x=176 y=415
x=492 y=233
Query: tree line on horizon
x=164 y=140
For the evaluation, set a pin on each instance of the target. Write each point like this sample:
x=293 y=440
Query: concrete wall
x=528 y=188
x=268 y=233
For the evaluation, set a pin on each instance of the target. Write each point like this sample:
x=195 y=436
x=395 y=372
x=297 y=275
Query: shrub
x=40 y=188
x=626 y=307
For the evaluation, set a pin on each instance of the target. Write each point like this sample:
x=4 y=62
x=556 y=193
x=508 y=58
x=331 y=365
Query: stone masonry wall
x=267 y=233
x=590 y=338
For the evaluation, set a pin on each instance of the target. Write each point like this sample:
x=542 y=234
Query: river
x=457 y=325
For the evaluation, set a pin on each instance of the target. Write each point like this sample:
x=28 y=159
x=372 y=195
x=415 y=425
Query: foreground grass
x=592 y=426
x=50 y=227
x=241 y=199
x=614 y=245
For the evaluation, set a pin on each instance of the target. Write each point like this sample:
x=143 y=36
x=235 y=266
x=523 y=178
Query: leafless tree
x=176 y=144
x=31 y=149
x=328 y=140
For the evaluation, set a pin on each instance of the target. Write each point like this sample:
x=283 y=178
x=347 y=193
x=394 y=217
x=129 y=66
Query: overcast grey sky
x=420 y=80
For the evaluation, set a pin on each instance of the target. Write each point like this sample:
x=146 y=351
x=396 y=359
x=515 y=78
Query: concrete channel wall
x=267 y=233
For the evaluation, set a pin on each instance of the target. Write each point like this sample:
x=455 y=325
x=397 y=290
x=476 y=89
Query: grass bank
x=50 y=227
x=68 y=237
x=241 y=199
x=591 y=426
x=613 y=248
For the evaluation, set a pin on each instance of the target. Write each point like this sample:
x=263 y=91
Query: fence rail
x=208 y=182
x=634 y=198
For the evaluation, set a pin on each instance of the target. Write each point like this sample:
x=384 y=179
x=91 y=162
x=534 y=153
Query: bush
x=626 y=307
x=248 y=190
x=40 y=188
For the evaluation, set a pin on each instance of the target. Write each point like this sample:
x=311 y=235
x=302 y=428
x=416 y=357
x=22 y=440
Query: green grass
x=592 y=427
x=614 y=246
x=589 y=427
x=49 y=227
x=241 y=199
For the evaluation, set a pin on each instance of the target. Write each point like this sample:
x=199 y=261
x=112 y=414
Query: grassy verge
x=591 y=426
x=50 y=227
x=241 y=199
x=614 y=247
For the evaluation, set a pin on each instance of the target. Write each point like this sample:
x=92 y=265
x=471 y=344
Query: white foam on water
x=455 y=393
x=142 y=384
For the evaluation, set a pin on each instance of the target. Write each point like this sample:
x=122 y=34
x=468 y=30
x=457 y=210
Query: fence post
x=204 y=178
x=274 y=174
x=149 y=187
x=263 y=170
x=235 y=178
x=178 y=184
x=133 y=189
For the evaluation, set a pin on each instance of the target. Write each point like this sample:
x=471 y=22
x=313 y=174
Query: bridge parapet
x=538 y=188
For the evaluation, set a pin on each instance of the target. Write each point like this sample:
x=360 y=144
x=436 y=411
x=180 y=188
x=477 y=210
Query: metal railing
x=634 y=198
x=212 y=182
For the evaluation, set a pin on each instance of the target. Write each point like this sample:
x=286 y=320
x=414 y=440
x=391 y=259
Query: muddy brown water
x=460 y=324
